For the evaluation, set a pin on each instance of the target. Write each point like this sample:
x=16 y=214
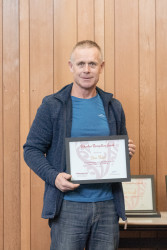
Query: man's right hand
x=63 y=184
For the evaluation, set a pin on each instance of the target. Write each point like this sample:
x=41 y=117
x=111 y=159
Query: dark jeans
x=93 y=226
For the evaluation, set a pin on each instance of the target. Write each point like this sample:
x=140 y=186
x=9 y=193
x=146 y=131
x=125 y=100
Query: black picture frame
x=96 y=140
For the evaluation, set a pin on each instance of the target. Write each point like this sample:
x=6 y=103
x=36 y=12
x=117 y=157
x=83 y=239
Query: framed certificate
x=98 y=159
x=139 y=195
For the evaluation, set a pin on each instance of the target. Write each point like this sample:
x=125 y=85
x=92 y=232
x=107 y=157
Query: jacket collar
x=65 y=93
x=106 y=97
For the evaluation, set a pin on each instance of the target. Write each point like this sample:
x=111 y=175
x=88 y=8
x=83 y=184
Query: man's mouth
x=86 y=78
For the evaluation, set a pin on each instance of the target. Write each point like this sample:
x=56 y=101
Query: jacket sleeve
x=123 y=126
x=123 y=130
x=38 y=142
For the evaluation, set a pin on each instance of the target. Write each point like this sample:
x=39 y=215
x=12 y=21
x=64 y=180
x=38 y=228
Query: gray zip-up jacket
x=44 y=150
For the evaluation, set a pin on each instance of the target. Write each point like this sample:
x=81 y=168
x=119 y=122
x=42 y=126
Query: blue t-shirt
x=89 y=119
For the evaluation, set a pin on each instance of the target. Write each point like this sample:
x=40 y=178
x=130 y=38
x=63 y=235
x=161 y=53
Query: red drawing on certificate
x=98 y=159
x=138 y=194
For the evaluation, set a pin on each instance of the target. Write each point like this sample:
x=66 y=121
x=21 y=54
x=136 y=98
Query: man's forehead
x=82 y=50
x=86 y=53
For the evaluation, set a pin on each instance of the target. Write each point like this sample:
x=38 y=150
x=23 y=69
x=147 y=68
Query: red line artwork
x=134 y=194
x=97 y=158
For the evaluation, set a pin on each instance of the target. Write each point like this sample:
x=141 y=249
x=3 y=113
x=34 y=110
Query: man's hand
x=131 y=147
x=63 y=184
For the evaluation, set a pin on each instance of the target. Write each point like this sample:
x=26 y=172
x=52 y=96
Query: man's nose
x=86 y=68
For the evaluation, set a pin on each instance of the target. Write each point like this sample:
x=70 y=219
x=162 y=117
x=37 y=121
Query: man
x=80 y=216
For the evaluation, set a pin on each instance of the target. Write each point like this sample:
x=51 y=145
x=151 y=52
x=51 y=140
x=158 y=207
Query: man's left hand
x=132 y=147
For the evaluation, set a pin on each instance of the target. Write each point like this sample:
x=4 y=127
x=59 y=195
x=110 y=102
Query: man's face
x=86 y=66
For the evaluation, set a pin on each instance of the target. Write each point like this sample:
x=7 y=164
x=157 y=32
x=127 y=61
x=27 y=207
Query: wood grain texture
x=147 y=87
x=41 y=84
x=11 y=124
x=161 y=66
x=65 y=37
x=109 y=45
x=99 y=32
x=147 y=90
x=86 y=20
x=126 y=68
x=126 y=71
x=24 y=124
x=1 y=138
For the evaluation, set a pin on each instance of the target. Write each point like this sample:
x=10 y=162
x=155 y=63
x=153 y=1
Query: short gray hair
x=87 y=44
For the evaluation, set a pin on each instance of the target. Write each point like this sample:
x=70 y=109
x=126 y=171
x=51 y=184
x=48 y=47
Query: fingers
x=132 y=147
x=63 y=183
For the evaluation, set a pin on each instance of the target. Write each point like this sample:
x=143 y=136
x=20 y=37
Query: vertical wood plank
x=99 y=32
x=147 y=87
x=161 y=46
x=65 y=29
x=126 y=71
x=1 y=137
x=147 y=90
x=11 y=125
x=24 y=123
x=41 y=84
x=86 y=17
x=126 y=68
x=109 y=45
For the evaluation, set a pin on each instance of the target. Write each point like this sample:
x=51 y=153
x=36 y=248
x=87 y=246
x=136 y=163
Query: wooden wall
x=36 y=40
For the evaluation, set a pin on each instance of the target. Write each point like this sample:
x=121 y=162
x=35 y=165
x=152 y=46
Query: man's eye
x=92 y=64
x=81 y=63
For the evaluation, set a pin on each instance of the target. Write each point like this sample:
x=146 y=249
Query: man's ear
x=70 y=66
x=102 y=66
